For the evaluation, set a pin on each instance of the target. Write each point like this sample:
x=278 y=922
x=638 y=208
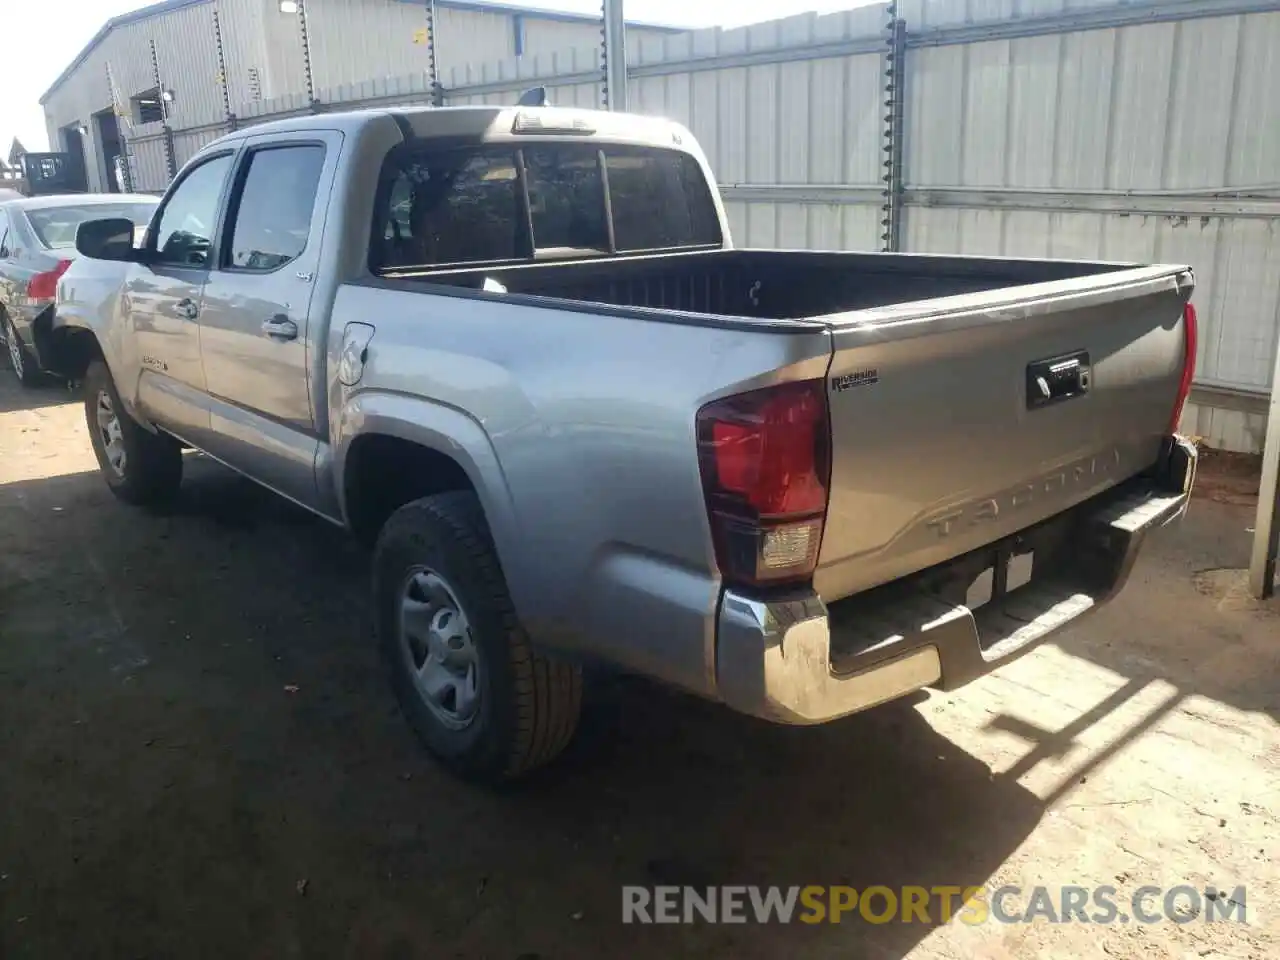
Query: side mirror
x=107 y=239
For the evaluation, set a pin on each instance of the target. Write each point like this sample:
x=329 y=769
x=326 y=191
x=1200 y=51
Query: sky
x=39 y=38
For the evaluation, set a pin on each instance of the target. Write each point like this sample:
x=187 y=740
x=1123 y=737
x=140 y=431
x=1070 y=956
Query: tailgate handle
x=1058 y=379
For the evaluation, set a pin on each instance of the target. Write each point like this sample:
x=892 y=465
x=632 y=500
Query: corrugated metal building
x=1140 y=130
x=223 y=56
x=1145 y=141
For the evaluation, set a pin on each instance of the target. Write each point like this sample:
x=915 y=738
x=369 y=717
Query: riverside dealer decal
x=859 y=378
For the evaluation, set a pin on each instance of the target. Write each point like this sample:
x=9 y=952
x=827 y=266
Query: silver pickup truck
x=515 y=351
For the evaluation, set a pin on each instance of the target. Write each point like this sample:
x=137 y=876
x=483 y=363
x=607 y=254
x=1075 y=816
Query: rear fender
x=445 y=430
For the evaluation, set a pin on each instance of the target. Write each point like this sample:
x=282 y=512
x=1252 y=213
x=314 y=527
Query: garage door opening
x=113 y=163
x=73 y=146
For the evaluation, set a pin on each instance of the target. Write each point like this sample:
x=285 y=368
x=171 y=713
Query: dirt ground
x=199 y=757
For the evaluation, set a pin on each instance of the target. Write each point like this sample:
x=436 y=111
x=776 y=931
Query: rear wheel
x=467 y=678
x=20 y=359
x=140 y=467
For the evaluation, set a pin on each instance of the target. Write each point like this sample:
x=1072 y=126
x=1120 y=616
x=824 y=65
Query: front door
x=162 y=300
x=255 y=319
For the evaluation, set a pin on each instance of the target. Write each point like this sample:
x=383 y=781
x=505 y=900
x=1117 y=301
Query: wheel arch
x=68 y=350
x=393 y=449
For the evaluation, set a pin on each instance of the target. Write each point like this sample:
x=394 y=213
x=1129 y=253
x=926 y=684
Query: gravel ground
x=199 y=757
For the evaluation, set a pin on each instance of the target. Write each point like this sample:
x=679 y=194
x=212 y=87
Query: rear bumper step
x=798 y=661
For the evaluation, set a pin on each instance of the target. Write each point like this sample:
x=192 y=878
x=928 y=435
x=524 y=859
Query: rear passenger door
x=258 y=341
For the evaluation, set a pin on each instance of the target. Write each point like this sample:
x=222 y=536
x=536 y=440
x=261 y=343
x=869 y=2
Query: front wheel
x=467 y=678
x=140 y=467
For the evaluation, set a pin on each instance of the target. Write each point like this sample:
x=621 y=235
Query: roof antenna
x=534 y=97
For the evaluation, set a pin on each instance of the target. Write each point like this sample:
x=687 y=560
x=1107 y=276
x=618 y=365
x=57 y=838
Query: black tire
x=20 y=358
x=152 y=469
x=528 y=704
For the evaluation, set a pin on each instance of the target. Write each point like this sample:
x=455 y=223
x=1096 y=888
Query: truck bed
x=769 y=284
x=941 y=439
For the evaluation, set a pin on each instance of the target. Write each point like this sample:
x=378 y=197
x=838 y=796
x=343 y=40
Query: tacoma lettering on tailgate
x=1079 y=476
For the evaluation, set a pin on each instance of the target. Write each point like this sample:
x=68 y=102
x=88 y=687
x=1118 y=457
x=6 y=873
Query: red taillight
x=765 y=462
x=1190 y=334
x=44 y=286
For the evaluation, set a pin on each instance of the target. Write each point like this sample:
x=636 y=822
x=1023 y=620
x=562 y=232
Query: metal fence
x=1059 y=128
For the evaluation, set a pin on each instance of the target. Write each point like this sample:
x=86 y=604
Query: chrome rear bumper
x=797 y=661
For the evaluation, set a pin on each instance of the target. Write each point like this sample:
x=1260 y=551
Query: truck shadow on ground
x=1186 y=617
x=203 y=759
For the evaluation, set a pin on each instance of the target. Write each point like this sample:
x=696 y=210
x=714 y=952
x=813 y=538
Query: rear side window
x=272 y=217
x=454 y=207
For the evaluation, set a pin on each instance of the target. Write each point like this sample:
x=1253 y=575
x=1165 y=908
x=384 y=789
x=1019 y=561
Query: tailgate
x=960 y=421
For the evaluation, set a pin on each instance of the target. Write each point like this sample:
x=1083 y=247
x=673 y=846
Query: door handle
x=188 y=309
x=280 y=327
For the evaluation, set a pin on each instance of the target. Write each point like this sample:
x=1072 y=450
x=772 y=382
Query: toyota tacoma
x=515 y=351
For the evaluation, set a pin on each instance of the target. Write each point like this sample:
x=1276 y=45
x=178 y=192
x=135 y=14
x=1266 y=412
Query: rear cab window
x=55 y=226
x=451 y=207
x=566 y=199
x=660 y=200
